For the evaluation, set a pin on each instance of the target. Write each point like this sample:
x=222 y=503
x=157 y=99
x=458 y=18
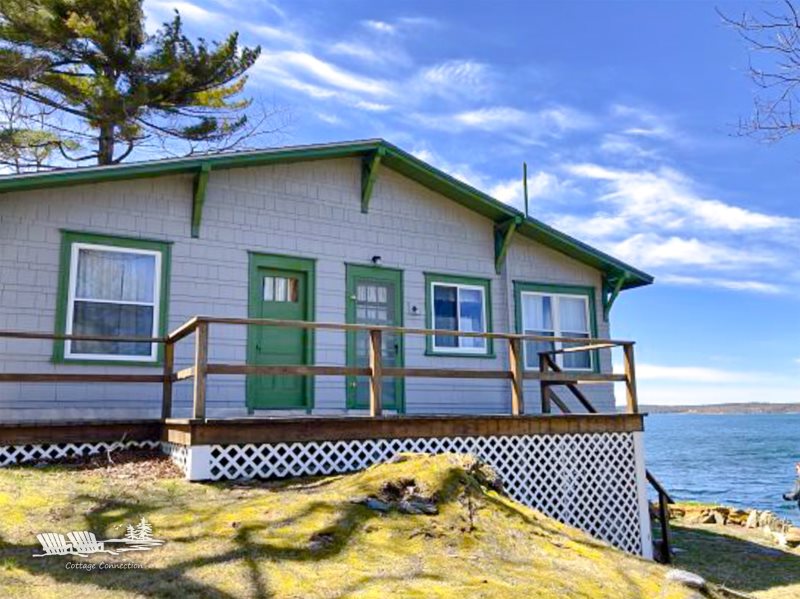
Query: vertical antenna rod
x=525 y=185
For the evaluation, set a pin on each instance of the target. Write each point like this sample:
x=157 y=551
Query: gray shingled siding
x=307 y=209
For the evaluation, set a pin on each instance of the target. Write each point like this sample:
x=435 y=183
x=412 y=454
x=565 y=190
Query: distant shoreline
x=725 y=408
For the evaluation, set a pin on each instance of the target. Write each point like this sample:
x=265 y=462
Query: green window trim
x=546 y=288
x=486 y=284
x=68 y=238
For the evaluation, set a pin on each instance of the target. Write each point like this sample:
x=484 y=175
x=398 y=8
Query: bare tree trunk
x=105 y=151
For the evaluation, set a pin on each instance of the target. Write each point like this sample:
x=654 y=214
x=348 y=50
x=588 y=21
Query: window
x=458 y=304
x=113 y=287
x=551 y=311
x=281 y=289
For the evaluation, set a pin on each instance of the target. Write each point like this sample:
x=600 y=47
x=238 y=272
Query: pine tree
x=144 y=530
x=130 y=533
x=118 y=87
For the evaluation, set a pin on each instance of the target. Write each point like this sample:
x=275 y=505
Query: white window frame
x=557 y=332
x=71 y=299
x=481 y=351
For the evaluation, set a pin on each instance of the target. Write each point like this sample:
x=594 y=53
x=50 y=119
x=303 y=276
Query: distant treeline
x=726 y=408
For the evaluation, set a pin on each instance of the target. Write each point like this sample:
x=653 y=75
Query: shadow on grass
x=734 y=562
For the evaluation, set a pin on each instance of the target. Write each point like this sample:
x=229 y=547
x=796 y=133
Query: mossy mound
x=421 y=526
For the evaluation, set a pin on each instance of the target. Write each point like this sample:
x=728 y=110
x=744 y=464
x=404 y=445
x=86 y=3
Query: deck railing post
x=166 y=389
x=544 y=385
x=376 y=371
x=517 y=368
x=200 y=370
x=630 y=379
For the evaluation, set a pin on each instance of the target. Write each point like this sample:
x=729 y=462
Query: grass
x=309 y=538
x=739 y=558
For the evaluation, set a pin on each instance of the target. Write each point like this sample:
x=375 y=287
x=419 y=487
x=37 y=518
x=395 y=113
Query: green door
x=282 y=294
x=374 y=296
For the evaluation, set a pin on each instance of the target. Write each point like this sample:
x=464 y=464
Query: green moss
x=314 y=538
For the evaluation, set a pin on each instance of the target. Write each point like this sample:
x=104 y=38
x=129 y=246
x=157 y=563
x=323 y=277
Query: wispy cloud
x=381 y=26
x=731 y=284
x=454 y=78
x=667 y=197
x=695 y=374
x=694 y=385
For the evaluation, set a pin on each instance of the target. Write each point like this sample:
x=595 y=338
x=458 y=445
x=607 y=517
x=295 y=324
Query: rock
x=689 y=579
x=376 y=504
x=752 y=519
x=418 y=507
x=738 y=517
x=767 y=518
x=720 y=515
x=793 y=536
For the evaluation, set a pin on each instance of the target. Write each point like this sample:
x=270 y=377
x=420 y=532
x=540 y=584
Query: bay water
x=742 y=460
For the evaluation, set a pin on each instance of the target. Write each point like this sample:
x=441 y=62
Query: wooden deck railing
x=548 y=375
x=376 y=371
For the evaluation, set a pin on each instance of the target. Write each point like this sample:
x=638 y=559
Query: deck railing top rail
x=187 y=327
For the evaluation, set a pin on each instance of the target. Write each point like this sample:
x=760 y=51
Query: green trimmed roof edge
x=394 y=158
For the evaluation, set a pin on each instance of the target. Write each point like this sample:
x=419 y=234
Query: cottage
x=322 y=284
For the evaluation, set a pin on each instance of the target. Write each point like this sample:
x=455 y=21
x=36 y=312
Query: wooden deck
x=312 y=428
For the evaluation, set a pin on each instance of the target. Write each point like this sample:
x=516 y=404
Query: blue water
x=743 y=460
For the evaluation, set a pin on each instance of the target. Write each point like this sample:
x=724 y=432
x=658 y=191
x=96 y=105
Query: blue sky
x=626 y=113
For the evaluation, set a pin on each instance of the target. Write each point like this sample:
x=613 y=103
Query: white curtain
x=115 y=276
x=573 y=315
x=537 y=312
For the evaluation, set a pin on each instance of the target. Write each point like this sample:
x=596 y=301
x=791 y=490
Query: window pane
x=280 y=289
x=269 y=289
x=445 y=314
x=573 y=314
x=119 y=320
x=537 y=312
x=532 y=348
x=106 y=275
x=470 y=311
x=577 y=360
x=292 y=292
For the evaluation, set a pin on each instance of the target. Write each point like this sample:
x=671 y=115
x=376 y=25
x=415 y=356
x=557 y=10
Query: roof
x=391 y=157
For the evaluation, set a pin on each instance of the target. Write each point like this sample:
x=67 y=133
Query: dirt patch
x=142 y=464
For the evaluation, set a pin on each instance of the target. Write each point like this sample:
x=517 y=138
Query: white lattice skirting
x=591 y=481
x=179 y=454
x=18 y=454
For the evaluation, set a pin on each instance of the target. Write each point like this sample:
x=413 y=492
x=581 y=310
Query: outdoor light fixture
x=376 y=260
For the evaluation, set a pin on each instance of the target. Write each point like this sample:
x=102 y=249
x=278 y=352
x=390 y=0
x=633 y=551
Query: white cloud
x=372 y=106
x=541 y=184
x=642 y=122
x=524 y=127
x=695 y=374
x=732 y=284
x=667 y=198
x=191 y=12
x=454 y=78
x=652 y=250
x=491 y=118
x=695 y=385
x=330 y=74
x=380 y=26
